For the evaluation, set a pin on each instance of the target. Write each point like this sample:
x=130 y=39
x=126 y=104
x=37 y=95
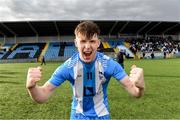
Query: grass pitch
x=161 y=99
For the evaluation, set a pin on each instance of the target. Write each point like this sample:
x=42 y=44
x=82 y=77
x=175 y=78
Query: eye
x=83 y=41
x=92 y=41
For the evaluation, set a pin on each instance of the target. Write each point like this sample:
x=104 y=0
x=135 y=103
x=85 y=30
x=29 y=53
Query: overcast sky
x=155 y=10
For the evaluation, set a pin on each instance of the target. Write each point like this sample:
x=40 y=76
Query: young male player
x=89 y=73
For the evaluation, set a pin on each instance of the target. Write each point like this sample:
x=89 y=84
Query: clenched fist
x=137 y=76
x=34 y=75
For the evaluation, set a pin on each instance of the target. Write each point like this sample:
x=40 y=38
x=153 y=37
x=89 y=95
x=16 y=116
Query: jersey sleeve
x=116 y=70
x=60 y=75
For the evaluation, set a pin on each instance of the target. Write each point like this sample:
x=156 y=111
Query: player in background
x=43 y=61
x=120 y=57
x=89 y=73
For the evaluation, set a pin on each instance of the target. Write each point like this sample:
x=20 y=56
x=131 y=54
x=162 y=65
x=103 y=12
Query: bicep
x=49 y=87
x=126 y=82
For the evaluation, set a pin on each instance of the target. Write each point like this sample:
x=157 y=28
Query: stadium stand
x=137 y=38
x=69 y=50
x=156 y=45
x=115 y=42
x=2 y=54
x=24 y=51
x=52 y=51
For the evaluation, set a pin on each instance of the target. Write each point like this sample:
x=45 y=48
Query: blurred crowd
x=152 y=44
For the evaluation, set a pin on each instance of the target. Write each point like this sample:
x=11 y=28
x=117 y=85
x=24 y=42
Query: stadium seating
x=5 y=49
x=116 y=42
x=69 y=51
x=24 y=51
x=52 y=51
x=60 y=49
x=2 y=53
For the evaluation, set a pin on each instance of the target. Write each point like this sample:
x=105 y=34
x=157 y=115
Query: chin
x=83 y=58
x=87 y=61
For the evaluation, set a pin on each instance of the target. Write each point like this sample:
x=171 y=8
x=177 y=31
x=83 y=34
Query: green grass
x=161 y=99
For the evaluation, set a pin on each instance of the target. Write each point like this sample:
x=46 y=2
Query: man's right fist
x=34 y=75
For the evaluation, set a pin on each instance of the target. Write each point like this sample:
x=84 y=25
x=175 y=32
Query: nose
x=87 y=45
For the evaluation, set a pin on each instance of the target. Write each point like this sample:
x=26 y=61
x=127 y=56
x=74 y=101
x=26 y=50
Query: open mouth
x=87 y=54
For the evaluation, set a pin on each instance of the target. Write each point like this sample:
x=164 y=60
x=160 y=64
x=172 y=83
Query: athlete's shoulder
x=72 y=60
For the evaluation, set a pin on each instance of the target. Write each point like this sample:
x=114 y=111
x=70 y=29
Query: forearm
x=38 y=94
x=132 y=88
x=134 y=91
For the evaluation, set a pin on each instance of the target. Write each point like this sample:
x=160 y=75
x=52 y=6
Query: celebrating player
x=89 y=73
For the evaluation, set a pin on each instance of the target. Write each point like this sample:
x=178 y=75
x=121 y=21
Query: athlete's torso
x=89 y=83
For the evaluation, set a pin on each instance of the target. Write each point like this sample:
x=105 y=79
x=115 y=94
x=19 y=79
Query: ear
x=75 y=42
x=99 y=42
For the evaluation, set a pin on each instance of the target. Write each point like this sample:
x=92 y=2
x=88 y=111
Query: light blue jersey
x=89 y=83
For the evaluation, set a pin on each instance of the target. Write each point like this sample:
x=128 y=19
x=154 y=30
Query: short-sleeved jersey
x=89 y=83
